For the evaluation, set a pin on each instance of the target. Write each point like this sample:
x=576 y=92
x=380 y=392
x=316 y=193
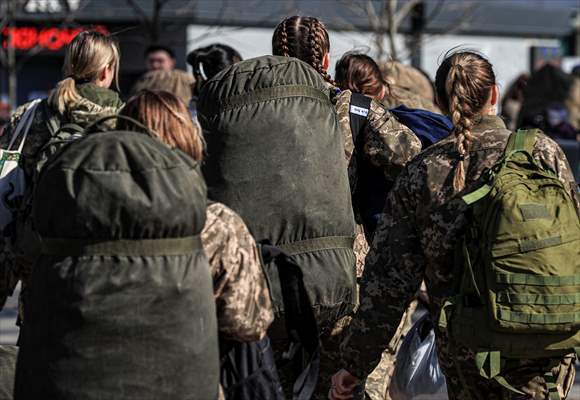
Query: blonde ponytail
x=64 y=95
x=86 y=57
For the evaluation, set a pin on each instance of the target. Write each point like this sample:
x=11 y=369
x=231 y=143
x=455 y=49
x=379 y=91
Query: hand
x=343 y=384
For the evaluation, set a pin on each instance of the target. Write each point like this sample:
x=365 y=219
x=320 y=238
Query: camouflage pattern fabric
x=409 y=78
x=397 y=95
x=391 y=145
x=415 y=240
x=17 y=249
x=244 y=307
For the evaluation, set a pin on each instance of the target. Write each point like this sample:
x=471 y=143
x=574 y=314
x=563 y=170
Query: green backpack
x=519 y=291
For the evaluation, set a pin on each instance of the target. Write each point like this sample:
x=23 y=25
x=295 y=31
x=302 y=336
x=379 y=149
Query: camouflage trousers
x=465 y=383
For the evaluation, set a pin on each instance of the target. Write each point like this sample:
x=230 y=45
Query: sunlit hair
x=463 y=84
x=167 y=117
x=305 y=38
x=359 y=73
x=87 y=55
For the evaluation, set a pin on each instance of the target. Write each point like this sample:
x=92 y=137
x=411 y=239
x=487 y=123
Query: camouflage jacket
x=386 y=143
x=244 y=307
x=15 y=248
x=397 y=95
x=416 y=237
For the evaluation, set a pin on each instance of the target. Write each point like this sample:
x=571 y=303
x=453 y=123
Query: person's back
x=425 y=220
x=83 y=97
x=408 y=86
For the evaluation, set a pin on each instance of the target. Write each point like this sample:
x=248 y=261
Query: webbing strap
x=477 y=195
x=522 y=140
x=551 y=386
x=542 y=299
x=538 y=280
x=542 y=319
x=317 y=244
x=125 y=247
x=492 y=369
x=272 y=93
x=537 y=244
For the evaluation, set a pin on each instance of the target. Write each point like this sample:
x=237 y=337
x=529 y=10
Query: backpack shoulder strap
x=359 y=108
x=522 y=140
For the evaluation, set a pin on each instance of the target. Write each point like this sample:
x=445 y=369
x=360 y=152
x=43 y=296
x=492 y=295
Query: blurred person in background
x=409 y=86
x=162 y=75
x=513 y=99
x=206 y=62
x=159 y=58
x=551 y=102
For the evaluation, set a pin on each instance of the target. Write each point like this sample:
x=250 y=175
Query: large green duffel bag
x=121 y=301
x=275 y=155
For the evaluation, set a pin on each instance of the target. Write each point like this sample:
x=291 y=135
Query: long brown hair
x=463 y=84
x=87 y=55
x=305 y=38
x=167 y=117
x=359 y=73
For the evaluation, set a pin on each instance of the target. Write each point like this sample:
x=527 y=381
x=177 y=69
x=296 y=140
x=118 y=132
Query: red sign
x=27 y=37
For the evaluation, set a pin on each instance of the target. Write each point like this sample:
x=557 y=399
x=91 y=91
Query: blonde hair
x=88 y=54
x=167 y=117
x=463 y=82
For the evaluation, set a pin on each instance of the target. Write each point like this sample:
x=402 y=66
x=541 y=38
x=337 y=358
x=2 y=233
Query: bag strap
x=23 y=126
x=121 y=247
x=317 y=244
x=522 y=140
x=299 y=317
x=358 y=109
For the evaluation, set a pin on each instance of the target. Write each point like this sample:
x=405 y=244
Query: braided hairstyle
x=463 y=83
x=305 y=38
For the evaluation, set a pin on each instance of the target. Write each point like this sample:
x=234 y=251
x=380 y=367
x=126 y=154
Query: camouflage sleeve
x=244 y=307
x=389 y=144
x=342 y=105
x=393 y=273
x=551 y=155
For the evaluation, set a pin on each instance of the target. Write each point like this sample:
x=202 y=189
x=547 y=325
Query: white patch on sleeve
x=363 y=112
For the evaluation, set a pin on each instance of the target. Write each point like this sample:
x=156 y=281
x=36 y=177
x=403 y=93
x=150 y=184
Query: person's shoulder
x=228 y=219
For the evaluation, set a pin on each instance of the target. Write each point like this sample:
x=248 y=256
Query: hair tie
x=201 y=71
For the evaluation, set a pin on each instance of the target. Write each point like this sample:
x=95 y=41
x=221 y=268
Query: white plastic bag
x=417 y=373
x=11 y=175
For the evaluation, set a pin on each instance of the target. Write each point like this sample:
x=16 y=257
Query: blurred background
x=517 y=35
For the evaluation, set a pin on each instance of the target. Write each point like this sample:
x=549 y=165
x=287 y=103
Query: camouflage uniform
x=398 y=95
x=415 y=240
x=389 y=145
x=408 y=78
x=18 y=246
x=244 y=307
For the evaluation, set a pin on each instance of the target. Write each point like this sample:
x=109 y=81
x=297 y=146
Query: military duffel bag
x=121 y=301
x=275 y=156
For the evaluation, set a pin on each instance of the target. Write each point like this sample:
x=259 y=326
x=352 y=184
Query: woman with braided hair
x=385 y=143
x=425 y=217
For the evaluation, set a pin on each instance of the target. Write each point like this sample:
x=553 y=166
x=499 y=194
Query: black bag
x=248 y=370
x=120 y=303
